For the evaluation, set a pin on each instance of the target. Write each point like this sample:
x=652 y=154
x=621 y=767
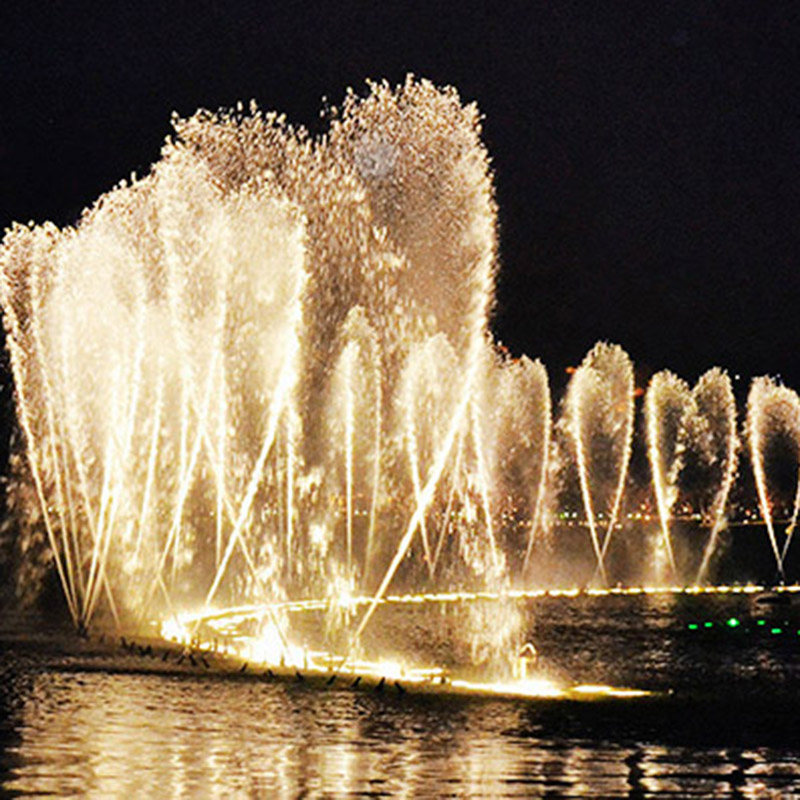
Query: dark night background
x=647 y=156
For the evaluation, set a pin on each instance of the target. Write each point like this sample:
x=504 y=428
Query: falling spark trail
x=484 y=488
x=425 y=499
x=667 y=401
x=277 y=406
x=769 y=402
x=349 y=356
x=412 y=457
x=545 y=432
x=449 y=507
x=581 y=458
x=717 y=385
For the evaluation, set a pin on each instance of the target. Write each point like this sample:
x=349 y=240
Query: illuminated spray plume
x=666 y=405
x=598 y=420
x=695 y=429
x=713 y=436
x=257 y=372
x=263 y=373
x=773 y=418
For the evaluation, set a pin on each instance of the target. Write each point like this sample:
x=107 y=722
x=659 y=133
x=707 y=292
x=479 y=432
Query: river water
x=725 y=725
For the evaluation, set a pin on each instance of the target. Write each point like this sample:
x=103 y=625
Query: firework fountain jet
x=598 y=420
x=666 y=403
x=682 y=423
x=773 y=412
x=263 y=373
x=714 y=432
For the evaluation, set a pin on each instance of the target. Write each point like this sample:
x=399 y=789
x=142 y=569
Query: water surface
x=726 y=728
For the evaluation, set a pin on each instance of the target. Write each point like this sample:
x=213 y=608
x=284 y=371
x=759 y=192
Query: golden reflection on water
x=107 y=735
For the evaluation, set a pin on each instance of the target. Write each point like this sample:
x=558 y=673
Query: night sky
x=647 y=156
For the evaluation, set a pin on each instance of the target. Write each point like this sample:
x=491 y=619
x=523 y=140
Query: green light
x=776 y=630
x=733 y=623
x=692 y=626
x=761 y=622
x=708 y=624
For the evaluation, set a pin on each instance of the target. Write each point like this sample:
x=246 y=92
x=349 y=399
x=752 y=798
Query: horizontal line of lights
x=224 y=622
x=735 y=622
x=240 y=613
x=288 y=658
